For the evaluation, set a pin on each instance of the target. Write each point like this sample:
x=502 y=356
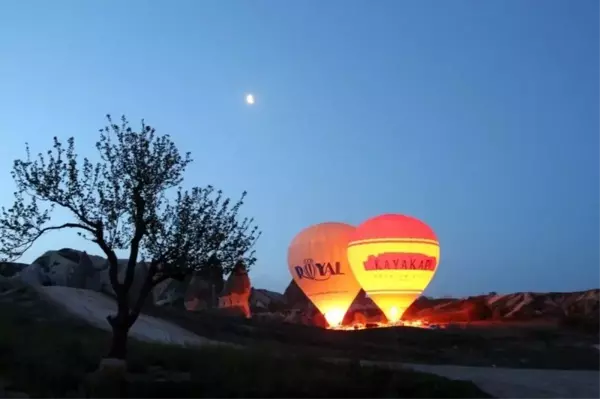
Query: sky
x=480 y=118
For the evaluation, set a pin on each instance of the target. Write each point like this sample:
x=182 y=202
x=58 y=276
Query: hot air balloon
x=317 y=260
x=393 y=257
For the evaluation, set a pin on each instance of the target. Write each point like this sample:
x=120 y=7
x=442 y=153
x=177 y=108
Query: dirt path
x=523 y=383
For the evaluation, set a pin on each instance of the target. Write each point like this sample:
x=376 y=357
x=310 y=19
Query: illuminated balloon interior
x=335 y=315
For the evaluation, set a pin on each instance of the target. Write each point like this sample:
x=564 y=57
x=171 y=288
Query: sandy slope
x=500 y=382
x=94 y=307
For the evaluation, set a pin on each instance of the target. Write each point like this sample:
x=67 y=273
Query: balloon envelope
x=318 y=262
x=393 y=257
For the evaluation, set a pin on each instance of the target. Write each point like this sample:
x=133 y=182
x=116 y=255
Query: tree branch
x=31 y=241
x=27 y=244
x=67 y=225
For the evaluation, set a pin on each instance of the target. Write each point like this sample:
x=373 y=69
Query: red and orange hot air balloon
x=393 y=257
x=318 y=262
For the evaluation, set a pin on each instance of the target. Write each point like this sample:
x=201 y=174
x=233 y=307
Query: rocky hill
x=517 y=306
x=578 y=309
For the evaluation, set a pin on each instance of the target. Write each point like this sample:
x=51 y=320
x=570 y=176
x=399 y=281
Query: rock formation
x=171 y=292
x=201 y=294
x=236 y=293
x=204 y=287
x=517 y=306
x=295 y=297
x=9 y=269
x=72 y=268
x=266 y=301
x=85 y=275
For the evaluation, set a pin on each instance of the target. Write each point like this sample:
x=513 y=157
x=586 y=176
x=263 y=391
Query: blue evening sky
x=478 y=117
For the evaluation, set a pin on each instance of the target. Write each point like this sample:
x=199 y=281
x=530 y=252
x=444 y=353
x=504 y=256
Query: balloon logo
x=318 y=262
x=393 y=257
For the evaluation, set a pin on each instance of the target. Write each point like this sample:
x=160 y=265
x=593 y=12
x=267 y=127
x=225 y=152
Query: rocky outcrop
x=9 y=269
x=206 y=290
x=68 y=266
x=172 y=292
x=236 y=293
x=517 y=306
x=579 y=309
x=202 y=291
x=76 y=269
x=295 y=297
x=267 y=301
x=85 y=275
x=65 y=267
x=201 y=294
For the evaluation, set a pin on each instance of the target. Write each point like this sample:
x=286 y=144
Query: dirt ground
x=542 y=347
x=509 y=356
x=522 y=383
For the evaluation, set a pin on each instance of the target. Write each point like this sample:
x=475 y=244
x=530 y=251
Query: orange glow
x=334 y=317
x=318 y=262
x=359 y=326
x=394 y=317
x=393 y=257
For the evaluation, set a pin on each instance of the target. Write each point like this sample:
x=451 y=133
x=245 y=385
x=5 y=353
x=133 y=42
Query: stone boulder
x=69 y=268
x=171 y=292
x=9 y=269
x=199 y=290
x=33 y=275
x=57 y=266
x=76 y=269
x=85 y=275
x=201 y=294
x=262 y=300
x=205 y=286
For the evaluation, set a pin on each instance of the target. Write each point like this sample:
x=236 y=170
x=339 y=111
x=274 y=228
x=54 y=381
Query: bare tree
x=122 y=202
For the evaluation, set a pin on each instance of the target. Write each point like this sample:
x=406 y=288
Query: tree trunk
x=118 y=349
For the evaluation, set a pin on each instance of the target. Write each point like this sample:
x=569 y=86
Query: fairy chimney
x=236 y=293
